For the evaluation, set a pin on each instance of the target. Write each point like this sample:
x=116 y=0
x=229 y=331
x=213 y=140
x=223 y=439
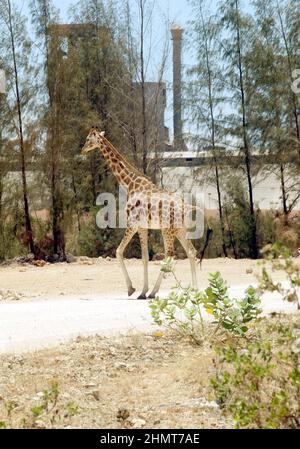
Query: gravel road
x=36 y=324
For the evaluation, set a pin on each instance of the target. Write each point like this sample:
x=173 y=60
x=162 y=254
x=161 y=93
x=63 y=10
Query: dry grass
x=133 y=381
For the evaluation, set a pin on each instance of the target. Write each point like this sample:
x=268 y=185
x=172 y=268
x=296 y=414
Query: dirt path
x=27 y=326
x=64 y=301
x=104 y=277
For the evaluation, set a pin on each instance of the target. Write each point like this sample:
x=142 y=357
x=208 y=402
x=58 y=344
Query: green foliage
x=9 y=407
x=72 y=409
x=10 y=247
x=270 y=229
x=167 y=265
x=50 y=396
x=89 y=242
x=258 y=382
x=95 y=242
x=182 y=311
x=232 y=314
x=279 y=258
x=37 y=411
x=49 y=402
x=239 y=221
x=44 y=414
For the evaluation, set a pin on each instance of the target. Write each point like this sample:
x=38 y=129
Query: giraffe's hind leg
x=190 y=252
x=129 y=233
x=143 y=235
x=168 y=238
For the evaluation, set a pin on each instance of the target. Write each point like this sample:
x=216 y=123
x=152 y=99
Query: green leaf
x=38 y=410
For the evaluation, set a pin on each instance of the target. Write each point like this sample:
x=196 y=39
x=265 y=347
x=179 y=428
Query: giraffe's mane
x=124 y=160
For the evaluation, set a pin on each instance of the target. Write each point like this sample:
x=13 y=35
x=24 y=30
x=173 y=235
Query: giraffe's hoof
x=142 y=296
x=152 y=296
x=131 y=290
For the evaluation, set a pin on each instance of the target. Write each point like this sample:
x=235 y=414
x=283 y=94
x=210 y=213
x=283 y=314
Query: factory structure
x=187 y=170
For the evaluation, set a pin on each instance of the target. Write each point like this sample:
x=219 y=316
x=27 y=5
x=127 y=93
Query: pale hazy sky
x=178 y=9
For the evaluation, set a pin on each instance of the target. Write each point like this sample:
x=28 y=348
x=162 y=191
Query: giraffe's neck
x=126 y=174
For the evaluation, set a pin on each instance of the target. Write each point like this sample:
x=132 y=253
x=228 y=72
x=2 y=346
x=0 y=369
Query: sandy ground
x=103 y=277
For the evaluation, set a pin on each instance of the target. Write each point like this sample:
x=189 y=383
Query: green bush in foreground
x=182 y=311
x=257 y=378
x=258 y=382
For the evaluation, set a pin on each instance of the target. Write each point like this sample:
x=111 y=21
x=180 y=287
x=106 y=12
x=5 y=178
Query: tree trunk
x=144 y=121
x=231 y=238
x=220 y=210
x=290 y=67
x=213 y=133
x=253 y=245
x=28 y=227
x=284 y=195
x=76 y=201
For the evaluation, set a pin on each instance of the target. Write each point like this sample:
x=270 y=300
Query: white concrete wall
x=267 y=190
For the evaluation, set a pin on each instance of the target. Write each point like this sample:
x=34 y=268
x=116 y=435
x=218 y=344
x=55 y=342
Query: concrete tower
x=176 y=32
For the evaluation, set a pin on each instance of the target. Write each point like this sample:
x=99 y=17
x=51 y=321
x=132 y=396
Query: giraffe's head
x=93 y=140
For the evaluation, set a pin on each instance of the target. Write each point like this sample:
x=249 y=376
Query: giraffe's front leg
x=168 y=238
x=129 y=233
x=143 y=234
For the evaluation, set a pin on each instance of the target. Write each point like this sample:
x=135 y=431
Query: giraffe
x=148 y=207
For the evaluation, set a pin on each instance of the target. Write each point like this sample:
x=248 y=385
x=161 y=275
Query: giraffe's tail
x=209 y=233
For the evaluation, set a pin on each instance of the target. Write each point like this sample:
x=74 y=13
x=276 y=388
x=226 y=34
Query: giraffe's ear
x=102 y=134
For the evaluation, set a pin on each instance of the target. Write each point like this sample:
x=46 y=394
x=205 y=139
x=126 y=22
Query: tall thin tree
x=13 y=21
x=239 y=30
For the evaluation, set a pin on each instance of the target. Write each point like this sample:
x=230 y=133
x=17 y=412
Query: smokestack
x=177 y=47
